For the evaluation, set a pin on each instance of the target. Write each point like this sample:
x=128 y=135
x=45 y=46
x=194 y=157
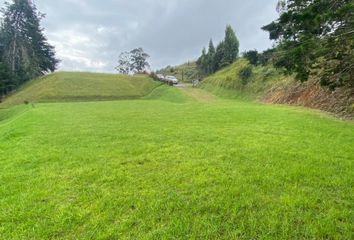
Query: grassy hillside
x=269 y=85
x=179 y=164
x=65 y=86
x=185 y=72
x=228 y=83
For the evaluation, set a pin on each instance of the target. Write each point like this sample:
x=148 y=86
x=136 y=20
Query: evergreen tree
x=219 y=58
x=231 y=46
x=26 y=50
x=225 y=53
x=202 y=62
x=211 y=57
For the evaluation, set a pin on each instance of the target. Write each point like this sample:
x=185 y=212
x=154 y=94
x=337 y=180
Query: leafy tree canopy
x=134 y=61
x=315 y=37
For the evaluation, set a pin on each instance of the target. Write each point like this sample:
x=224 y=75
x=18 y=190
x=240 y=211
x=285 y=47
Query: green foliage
x=211 y=58
x=220 y=56
x=5 y=79
x=316 y=38
x=231 y=46
x=225 y=54
x=139 y=60
x=267 y=56
x=158 y=169
x=202 y=62
x=252 y=56
x=25 y=49
x=245 y=74
x=124 y=63
x=134 y=61
x=245 y=81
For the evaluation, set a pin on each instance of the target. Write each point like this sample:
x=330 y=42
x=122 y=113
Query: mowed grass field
x=177 y=164
x=71 y=86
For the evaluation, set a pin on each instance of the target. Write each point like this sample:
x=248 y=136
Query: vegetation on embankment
x=65 y=86
x=265 y=83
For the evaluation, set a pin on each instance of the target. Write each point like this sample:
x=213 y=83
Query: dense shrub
x=245 y=74
x=251 y=56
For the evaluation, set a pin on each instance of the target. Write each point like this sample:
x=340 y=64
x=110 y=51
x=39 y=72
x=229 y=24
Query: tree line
x=225 y=53
x=24 y=50
x=314 y=39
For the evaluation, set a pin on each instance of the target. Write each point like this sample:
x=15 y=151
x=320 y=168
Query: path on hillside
x=197 y=94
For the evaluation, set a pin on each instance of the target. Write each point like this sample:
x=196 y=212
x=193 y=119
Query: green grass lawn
x=174 y=165
x=68 y=87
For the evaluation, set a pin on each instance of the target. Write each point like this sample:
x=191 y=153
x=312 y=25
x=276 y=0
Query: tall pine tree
x=211 y=57
x=27 y=52
x=202 y=62
x=225 y=53
x=231 y=46
x=220 y=56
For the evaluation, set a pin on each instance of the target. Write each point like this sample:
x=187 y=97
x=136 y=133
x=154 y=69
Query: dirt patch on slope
x=312 y=95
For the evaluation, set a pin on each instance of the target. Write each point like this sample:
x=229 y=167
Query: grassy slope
x=227 y=83
x=170 y=167
x=269 y=85
x=82 y=87
x=189 y=70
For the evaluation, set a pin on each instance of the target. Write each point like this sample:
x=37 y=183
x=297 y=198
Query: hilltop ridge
x=76 y=86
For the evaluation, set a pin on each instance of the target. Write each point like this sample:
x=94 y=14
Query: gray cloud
x=90 y=34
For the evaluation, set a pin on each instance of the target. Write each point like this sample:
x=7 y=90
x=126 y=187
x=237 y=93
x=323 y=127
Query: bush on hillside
x=267 y=73
x=245 y=74
x=251 y=56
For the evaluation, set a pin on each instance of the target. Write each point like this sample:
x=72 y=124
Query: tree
x=252 y=56
x=134 y=61
x=210 y=58
x=266 y=56
x=202 y=62
x=26 y=50
x=220 y=56
x=315 y=38
x=5 y=79
x=139 y=60
x=231 y=46
x=124 y=63
x=225 y=53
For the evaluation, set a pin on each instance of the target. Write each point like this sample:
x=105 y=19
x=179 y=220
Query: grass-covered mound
x=65 y=86
x=180 y=164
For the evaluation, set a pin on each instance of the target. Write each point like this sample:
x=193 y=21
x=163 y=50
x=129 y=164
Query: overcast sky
x=89 y=34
